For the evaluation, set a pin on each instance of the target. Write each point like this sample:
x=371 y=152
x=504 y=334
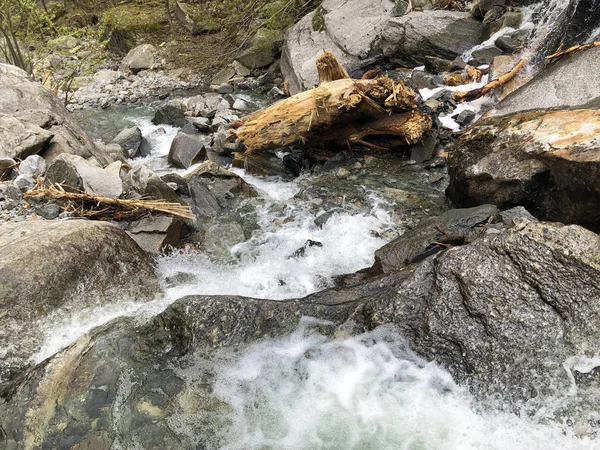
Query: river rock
x=350 y=29
x=143 y=182
x=25 y=182
x=220 y=238
x=186 y=150
x=150 y=141
x=130 y=140
x=201 y=123
x=544 y=161
x=156 y=234
x=214 y=189
x=35 y=107
x=570 y=83
x=419 y=242
x=141 y=57
x=106 y=76
x=33 y=165
x=169 y=115
x=75 y=172
x=508 y=304
x=65 y=276
x=442 y=34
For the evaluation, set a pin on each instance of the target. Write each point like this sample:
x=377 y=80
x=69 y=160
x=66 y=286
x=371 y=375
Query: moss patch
x=318 y=21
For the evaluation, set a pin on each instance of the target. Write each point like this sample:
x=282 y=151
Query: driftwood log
x=341 y=111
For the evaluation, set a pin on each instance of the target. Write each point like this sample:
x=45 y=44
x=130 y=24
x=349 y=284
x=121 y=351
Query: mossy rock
x=136 y=18
x=266 y=45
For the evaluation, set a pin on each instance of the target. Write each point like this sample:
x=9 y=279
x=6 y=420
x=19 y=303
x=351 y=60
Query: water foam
x=305 y=391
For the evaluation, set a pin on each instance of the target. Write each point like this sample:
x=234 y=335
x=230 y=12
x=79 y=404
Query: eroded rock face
x=42 y=117
x=350 y=29
x=509 y=315
x=548 y=162
x=50 y=265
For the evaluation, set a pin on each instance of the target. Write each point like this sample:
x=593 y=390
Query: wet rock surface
x=573 y=82
x=65 y=275
x=493 y=306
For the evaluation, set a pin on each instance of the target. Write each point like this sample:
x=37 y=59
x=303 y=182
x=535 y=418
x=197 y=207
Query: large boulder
x=186 y=150
x=44 y=123
x=573 y=82
x=142 y=57
x=350 y=29
x=511 y=315
x=548 y=162
x=130 y=140
x=441 y=34
x=48 y=265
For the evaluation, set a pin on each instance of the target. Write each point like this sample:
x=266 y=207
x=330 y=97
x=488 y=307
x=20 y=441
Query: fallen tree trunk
x=340 y=111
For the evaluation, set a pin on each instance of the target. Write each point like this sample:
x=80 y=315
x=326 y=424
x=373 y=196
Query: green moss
x=137 y=17
x=318 y=21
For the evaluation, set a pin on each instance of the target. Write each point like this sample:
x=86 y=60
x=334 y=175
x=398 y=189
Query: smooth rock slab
x=573 y=82
x=47 y=265
x=442 y=34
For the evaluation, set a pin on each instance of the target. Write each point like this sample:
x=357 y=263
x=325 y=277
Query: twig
x=575 y=48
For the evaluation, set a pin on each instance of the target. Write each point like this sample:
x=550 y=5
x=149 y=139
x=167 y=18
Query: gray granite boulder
x=350 y=29
x=65 y=276
x=442 y=34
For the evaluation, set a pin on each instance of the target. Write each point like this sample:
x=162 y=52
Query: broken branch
x=575 y=48
x=105 y=208
x=480 y=92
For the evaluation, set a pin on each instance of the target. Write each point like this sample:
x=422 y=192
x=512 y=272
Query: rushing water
x=307 y=391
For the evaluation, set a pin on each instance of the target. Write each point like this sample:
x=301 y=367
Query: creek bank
x=492 y=306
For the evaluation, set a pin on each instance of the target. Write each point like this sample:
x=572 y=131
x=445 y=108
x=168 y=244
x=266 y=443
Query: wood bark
x=341 y=111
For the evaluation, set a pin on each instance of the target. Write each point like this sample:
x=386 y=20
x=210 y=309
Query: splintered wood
x=340 y=111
